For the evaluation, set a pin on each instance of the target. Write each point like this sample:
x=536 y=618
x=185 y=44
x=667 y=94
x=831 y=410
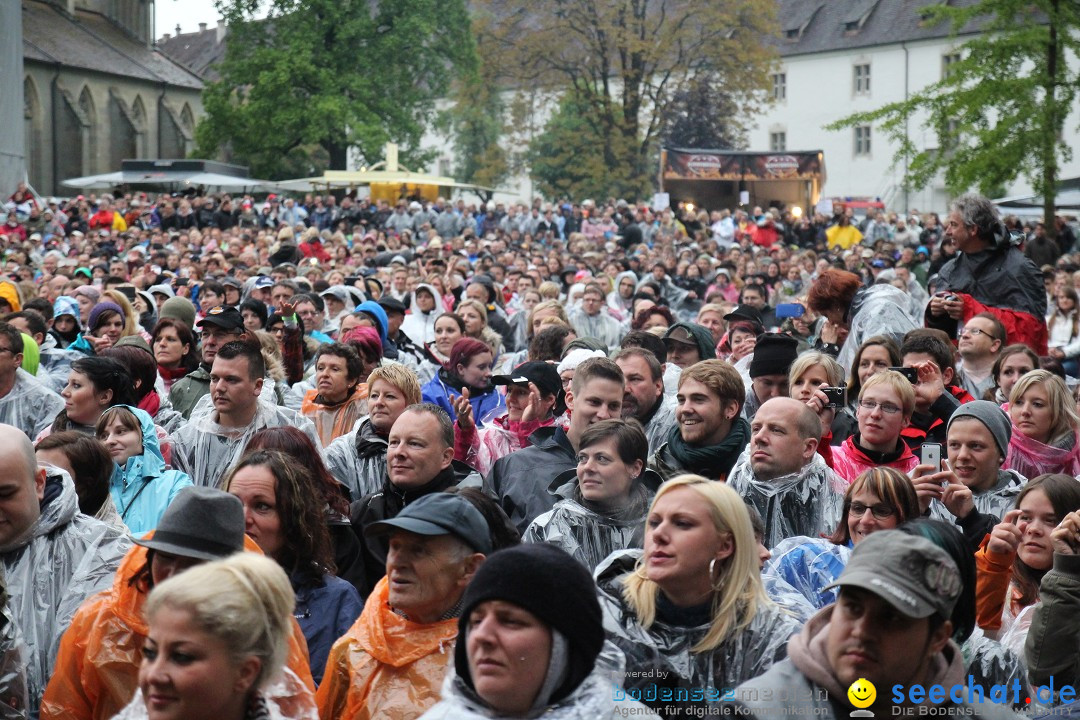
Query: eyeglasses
x=976 y=332
x=880 y=511
x=887 y=408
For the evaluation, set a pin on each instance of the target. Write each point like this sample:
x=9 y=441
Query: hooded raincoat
x=333 y=421
x=849 y=461
x=587 y=533
x=205 y=450
x=601 y=326
x=619 y=306
x=386 y=666
x=809 y=686
x=445 y=387
x=97 y=668
x=1032 y=458
x=807 y=502
x=142 y=488
x=594 y=699
x=420 y=325
x=876 y=310
x=62 y=559
x=357 y=460
x=30 y=405
x=666 y=648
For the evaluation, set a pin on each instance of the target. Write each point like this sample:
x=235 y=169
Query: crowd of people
x=330 y=458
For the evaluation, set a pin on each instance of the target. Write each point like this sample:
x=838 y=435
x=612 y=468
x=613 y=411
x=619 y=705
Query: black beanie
x=553 y=586
x=773 y=354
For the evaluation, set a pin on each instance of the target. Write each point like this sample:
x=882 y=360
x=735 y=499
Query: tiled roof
x=814 y=26
x=198 y=51
x=91 y=42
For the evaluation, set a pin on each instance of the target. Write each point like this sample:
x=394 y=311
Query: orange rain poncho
x=386 y=667
x=97 y=668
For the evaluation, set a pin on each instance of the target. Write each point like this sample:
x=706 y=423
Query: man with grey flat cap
x=392 y=661
x=890 y=626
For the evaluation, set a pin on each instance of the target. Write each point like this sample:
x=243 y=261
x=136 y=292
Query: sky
x=188 y=13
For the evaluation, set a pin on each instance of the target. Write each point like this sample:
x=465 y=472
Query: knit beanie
x=546 y=581
x=990 y=415
x=181 y=309
x=773 y=354
x=98 y=310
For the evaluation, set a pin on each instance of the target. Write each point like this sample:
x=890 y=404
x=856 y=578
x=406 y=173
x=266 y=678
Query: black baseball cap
x=391 y=305
x=542 y=374
x=748 y=313
x=440 y=514
x=223 y=316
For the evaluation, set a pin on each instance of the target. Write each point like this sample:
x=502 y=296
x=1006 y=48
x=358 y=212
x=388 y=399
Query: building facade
x=96 y=91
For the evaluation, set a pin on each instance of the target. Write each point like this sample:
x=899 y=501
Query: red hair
x=464 y=351
x=833 y=289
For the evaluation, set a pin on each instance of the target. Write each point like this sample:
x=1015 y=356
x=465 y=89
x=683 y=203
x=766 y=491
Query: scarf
x=171 y=375
x=151 y=403
x=710 y=460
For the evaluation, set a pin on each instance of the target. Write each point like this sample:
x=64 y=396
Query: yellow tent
x=389 y=185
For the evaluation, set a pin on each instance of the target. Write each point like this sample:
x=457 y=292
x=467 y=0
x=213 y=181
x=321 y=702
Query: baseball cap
x=223 y=316
x=744 y=312
x=392 y=305
x=680 y=334
x=440 y=514
x=541 y=374
x=263 y=282
x=910 y=573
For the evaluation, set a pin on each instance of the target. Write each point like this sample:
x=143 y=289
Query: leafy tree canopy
x=319 y=78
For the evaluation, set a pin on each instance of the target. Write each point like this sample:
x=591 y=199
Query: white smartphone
x=930 y=454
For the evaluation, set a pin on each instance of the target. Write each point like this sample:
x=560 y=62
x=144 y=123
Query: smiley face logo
x=862 y=693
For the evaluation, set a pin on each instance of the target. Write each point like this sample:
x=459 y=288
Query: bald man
x=781 y=474
x=53 y=556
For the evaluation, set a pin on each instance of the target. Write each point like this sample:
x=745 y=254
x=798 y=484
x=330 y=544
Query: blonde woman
x=691 y=607
x=131 y=318
x=810 y=372
x=475 y=316
x=1044 y=438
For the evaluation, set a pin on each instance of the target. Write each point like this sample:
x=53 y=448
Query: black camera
x=837 y=396
x=910 y=373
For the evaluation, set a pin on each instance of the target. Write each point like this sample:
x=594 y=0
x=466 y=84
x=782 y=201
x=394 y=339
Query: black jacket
x=384 y=505
x=520 y=481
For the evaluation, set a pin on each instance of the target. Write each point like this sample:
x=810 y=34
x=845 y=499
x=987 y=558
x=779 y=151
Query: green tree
x=626 y=60
x=476 y=122
x=704 y=116
x=567 y=157
x=320 y=78
x=999 y=110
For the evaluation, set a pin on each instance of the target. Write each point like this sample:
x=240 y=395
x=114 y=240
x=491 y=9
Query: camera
x=837 y=396
x=910 y=373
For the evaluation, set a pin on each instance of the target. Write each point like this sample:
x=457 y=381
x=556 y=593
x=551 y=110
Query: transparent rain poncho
x=877 y=310
x=808 y=502
x=14 y=701
x=1031 y=458
x=668 y=649
x=205 y=450
x=996 y=501
x=62 y=559
x=586 y=533
x=808 y=565
x=596 y=698
x=30 y=405
x=97 y=667
x=357 y=460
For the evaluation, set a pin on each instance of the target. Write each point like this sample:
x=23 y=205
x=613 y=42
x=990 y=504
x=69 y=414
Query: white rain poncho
x=30 y=405
x=60 y=561
x=668 y=649
x=658 y=428
x=418 y=325
x=205 y=450
x=601 y=326
x=808 y=502
x=877 y=310
x=996 y=501
x=14 y=701
x=357 y=460
x=588 y=534
x=596 y=698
